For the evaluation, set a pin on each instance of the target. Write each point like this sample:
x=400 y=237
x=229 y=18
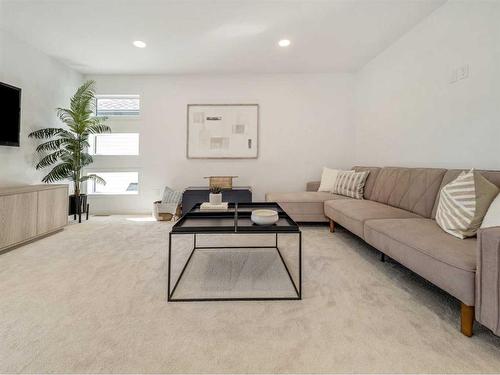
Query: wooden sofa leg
x=466 y=319
x=332 y=226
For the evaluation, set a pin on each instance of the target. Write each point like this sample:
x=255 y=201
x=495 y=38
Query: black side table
x=193 y=195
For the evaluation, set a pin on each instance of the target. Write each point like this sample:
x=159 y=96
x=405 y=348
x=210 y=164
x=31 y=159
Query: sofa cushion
x=370 y=180
x=302 y=197
x=412 y=189
x=352 y=213
x=422 y=246
x=451 y=174
x=303 y=206
x=313 y=185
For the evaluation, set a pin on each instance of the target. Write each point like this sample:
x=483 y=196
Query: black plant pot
x=73 y=205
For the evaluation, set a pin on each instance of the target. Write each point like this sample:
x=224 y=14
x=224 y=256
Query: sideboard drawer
x=18 y=216
x=52 y=210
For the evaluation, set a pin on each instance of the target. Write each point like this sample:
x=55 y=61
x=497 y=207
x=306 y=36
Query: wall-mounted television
x=10 y=118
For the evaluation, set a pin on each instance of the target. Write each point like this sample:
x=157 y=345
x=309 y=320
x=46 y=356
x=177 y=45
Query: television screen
x=10 y=120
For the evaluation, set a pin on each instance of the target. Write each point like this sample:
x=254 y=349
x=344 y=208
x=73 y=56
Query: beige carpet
x=93 y=299
x=235 y=273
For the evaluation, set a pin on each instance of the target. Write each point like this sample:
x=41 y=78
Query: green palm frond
x=83 y=96
x=67 y=116
x=83 y=102
x=95 y=178
x=45 y=133
x=68 y=146
x=52 y=145
x=84 y=93
x=85 y=143
x=98 y=129
x=87 y=160
x=51 y=159
x=60 y=172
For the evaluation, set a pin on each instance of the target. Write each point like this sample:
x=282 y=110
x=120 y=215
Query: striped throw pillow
x=351 y=184
x=463 y=204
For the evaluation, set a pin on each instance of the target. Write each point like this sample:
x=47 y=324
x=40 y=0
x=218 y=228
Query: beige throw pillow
x=351 y=184
x=328 y=178
x=463 y=204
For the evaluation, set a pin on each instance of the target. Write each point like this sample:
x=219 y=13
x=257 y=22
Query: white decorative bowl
x=264 y=217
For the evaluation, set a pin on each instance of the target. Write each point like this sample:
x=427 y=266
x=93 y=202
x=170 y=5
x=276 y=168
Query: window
x=117 y=105
x=124 y=181
x=114 y=144
x=116 y=183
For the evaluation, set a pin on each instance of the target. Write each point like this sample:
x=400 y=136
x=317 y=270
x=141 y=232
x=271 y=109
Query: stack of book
x=207 y=206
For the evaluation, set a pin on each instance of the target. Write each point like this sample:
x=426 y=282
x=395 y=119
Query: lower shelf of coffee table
x=243 y=273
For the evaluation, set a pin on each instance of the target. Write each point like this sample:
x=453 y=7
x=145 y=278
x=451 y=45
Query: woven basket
x=165 y=216
x=224 y=182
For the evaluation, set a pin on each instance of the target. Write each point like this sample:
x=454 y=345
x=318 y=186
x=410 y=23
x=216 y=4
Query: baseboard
x=121 y=212
x=29 y=240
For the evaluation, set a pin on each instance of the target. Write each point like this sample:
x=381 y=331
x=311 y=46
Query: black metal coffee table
x=235 y=222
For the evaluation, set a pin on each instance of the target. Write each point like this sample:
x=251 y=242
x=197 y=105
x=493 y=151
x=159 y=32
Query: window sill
x=112 y=194
x=121 y=117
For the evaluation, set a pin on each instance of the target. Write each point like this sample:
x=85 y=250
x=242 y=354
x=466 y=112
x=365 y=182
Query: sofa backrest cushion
x=451 y=174
x=412 y=189
x=370 y=180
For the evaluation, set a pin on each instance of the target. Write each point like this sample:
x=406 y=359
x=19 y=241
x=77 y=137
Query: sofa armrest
x=313 y=186
x=488 y=279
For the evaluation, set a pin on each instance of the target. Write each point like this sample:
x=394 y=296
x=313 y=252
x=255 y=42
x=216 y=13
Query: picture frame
x=222 y=131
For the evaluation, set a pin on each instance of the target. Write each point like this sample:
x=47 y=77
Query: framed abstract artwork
x=222 y=131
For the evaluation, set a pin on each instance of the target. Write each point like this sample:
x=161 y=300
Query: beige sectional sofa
x=397 y=216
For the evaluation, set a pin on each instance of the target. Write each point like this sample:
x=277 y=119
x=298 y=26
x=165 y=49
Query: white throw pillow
x=328 y=179
x=492 y=218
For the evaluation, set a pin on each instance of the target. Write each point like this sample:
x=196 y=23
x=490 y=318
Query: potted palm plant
x=65 y=149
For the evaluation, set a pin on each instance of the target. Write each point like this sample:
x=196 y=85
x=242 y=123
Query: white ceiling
x=212 y=36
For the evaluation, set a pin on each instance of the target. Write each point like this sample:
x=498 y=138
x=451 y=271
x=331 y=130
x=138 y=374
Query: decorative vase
x=215 y=198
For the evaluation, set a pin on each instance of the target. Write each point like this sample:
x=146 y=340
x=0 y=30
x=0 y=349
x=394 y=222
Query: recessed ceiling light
x=139 y=44
x=284 y=43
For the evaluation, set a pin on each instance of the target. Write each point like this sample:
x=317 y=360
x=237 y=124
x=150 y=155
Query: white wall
x=408 y=114
x=305 y=124
x=405 y=112
x=46 y=84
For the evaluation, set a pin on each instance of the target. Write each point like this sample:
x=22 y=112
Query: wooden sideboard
x=29 y=212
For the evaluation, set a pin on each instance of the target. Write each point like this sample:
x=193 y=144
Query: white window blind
x=118 y=105
x=116 y=183
x=114 y=144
